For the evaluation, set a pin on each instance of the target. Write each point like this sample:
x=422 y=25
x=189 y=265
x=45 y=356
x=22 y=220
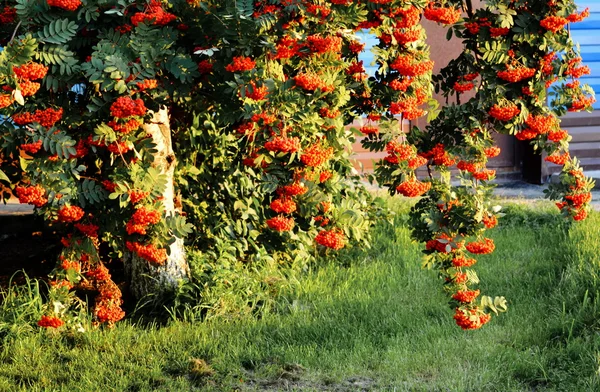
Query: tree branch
x=15 y=32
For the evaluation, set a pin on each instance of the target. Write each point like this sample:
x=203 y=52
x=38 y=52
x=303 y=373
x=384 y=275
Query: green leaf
x=59 y=31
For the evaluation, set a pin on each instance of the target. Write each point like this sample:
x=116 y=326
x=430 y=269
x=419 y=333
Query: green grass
x=378 y=322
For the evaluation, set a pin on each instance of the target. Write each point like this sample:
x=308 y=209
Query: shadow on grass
x=378 y=322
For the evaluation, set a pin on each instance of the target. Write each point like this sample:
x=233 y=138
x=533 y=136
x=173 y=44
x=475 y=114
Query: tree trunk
x=146 y=278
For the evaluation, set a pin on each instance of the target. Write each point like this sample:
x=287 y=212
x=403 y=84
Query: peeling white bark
x=147 y=279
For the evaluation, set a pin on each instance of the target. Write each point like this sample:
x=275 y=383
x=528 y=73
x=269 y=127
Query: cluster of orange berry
x=69 y=213
x=406 y=65
x=283 y=205
x=553 y=23
x=498 y=31
x=483 y=247
x=154 y=14
x=31 y=148
x=504 y=113
x=129 y=126
x=257 y=93
x=280 y=223
x=147 y=84
x=516 y=74
x=124 y=107
x=136 y=195
x=334 y=239
x=50 y=322
x=148 y=252
x=283 y=144
x=316 y=155
x=413 y=188
x=443 y=15
x=241 y=63
x=8 y=15
x=319 y=45
x=141 y=219
x=67 y=5
x=34 y=195
x=88 y=229
x=465 y=296
x=310 y=81
x=471 y=319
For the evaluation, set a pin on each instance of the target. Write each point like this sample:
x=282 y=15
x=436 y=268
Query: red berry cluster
x=324 y=176
x=413 y=188
x=465 y=296
x=462 y=261
x=461 y=87
x=98 y=273
x=241 y=63
x=124 y=107
x=257 y=93
x=474 y=27
x=400 y=84
x=579 y=103
x=553 y=23
x=404 y=17
x=31 y=148
x=147 y=84
x=8 y=15
x=283 y=144
x=154 y=14
x=5 y=101
x=516 y=74
x=319 y=45
x=575 y=17
x=46 y=118
x=316 y=155
x=50 y=322
x=334 y=239
x=135 y=195
x=141 y=219
x=489 y=221
x=29 y=88
x=70 y=214
x=492 y=152
x=119 y=147
x=471 y=319
x=483 y=247
x=404 y=36
x=369 y=130
x=484 y=174
x=442 y=15
x=505 y=112
x=280 y=223
x=283 y=205
x=498 y=31
x=439 y=155
x=310 y=81
x=148 y=252
x=294 y=189
x=125 y=128
x=67 y=5
x=34 y=195
x=557 y=136
x=31 y=71
x=558 y=159
x=406 y=65
x=88 y=229
x=205 y=67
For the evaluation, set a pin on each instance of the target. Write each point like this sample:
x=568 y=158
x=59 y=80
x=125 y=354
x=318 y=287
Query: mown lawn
x=378 y=322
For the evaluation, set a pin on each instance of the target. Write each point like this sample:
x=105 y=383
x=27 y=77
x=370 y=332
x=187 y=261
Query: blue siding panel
x=587 y=34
